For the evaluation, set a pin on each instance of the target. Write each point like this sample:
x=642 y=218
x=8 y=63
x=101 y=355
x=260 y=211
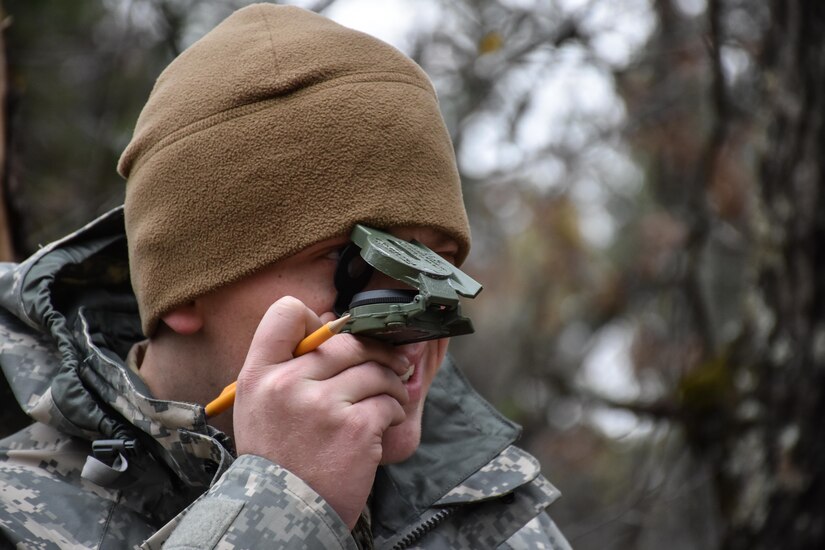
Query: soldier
x=259 y=149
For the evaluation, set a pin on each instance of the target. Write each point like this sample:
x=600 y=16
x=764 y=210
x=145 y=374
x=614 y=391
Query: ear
x=185 y=319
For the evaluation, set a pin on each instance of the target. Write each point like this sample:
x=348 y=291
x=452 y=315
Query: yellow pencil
x=227 y=396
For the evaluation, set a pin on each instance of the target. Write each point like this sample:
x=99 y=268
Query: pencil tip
x=338 y=324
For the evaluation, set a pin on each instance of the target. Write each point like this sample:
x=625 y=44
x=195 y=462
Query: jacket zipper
x=418 y=532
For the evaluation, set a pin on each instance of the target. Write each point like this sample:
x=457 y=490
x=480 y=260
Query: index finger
x=344 y=351
x=281 y=329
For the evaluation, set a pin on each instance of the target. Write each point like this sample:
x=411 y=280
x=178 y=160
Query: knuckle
x=286 y=308
x=375 y=410
x=289 y=301
x=279 y=383
x=315 y=399
x=363 y=420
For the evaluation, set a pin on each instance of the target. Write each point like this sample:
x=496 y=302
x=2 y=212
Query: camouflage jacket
x=105 y=465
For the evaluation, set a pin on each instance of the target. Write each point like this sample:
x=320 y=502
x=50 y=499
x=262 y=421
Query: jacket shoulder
x=256 y=504
x=541 y=533
x=44 y=502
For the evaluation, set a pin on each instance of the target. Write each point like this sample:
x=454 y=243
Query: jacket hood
x=68 y=318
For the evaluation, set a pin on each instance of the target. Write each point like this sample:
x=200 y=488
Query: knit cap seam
x=247 y=109
x=272 y=48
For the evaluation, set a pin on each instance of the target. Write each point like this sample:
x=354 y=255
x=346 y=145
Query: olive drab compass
x=429 y=309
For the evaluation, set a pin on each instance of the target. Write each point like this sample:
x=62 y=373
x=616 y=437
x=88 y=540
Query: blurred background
x=646 y=185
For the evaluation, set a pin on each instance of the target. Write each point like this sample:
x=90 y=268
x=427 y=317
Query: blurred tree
x=6 y=238
x=773 y=459
x=79 y=74
x=11 y=418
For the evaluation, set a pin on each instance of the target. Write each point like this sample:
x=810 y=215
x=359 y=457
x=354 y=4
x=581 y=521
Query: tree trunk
x=11 y=416
x=6 y=248
x=775 y=467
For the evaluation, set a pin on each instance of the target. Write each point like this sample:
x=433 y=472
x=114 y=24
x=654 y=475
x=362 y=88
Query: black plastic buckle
x=107 y=450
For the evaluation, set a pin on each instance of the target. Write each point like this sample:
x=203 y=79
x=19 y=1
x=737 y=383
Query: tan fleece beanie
x=277 y=130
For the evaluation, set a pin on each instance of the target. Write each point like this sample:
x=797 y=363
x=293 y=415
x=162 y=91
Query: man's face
x=234 y=312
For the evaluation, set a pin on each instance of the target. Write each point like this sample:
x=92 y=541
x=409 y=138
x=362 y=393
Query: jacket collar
x=73 y=316
x=461 y=434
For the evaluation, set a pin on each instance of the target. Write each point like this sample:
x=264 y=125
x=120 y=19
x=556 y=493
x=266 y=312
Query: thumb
x=282 y=327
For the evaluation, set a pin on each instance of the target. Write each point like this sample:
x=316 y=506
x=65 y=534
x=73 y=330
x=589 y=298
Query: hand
x=322 y=415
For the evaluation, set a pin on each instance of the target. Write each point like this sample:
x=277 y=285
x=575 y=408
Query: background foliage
x=644 y=179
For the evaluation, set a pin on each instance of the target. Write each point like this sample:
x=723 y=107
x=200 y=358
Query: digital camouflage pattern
x=67 y=321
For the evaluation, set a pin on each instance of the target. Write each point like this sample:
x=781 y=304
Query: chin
x=400 y=442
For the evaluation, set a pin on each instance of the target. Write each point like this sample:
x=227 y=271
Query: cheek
x=320 y=299
x=441 y=348
x=436 y=350
x=314 y=288
x=443 y=344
